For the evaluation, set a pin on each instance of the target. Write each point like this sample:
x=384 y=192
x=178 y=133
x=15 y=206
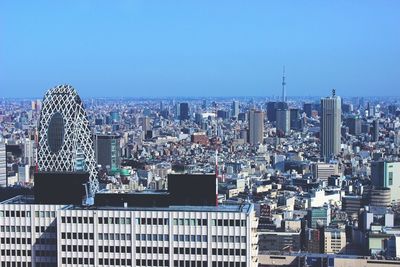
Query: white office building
x=65 y=235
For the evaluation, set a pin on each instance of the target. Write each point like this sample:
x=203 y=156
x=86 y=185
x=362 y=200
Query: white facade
x=3 y=165
x=174 y=236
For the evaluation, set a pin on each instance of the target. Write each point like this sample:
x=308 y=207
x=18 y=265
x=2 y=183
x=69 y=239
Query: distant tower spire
x=333 y=92
x=283 y=86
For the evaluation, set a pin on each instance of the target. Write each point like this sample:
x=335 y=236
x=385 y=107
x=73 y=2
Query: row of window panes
x=77 y=236
x=13 y=229
x=152 y=237
x=15 y=252
x=16 y=264
x=76 y=248
x=228 y=264
x=116 y=262
x=190 y=263
x=112 y=249
x=152 y=221
x=9 y=240
x=105 y=220
x=225 y=222
x=154 y=250
x=191 y=238
x=236 y=239
x=14 y=213
x=187 y=251
x=77 y=261
x=77 y=220
x=152 y=263
x=192 y=222
x=229 y=252
x=114 y=236
x=45 y=214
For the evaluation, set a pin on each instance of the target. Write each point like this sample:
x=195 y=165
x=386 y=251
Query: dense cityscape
x=278 y=181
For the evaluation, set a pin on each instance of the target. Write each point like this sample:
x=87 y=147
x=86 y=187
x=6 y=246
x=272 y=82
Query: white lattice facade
x=64 y=134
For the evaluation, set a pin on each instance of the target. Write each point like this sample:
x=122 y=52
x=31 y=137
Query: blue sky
x=200 y=48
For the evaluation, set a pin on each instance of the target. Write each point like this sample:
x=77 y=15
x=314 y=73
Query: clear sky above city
x=200 y=48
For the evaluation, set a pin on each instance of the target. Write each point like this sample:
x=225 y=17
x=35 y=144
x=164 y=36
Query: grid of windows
x=191 y=238
x=226 y=222
x=152 y=237
x=192 y=222
x=115 y=262
x=15 y=213
x=106 y=236
x=152 y=221
x=110 y=220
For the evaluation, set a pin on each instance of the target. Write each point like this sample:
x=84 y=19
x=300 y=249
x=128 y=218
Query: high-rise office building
x=235 y=109
x=184 y=111
x=3 y=165
x=375 y=130
x=146 y=124
x=271 y=113
x=282 y=121
x=330 y=126
x=256 y=127
x=308 y=108
x=387 y=174
x=354 y=124
x=65 y=137
x=107 y=151
x=295 y=120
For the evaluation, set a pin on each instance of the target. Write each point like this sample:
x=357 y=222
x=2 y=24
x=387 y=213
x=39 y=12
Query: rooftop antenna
x=283 y=85
x=333 y=92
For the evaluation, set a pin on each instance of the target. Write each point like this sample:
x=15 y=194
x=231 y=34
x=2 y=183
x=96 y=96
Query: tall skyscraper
x=375 y=130
x=256 y=127
x=107 y=151
x=330 y=126
x=65 y=136
x=235 y=109
x=282 y=121
x=3 y=165
x=184 y=111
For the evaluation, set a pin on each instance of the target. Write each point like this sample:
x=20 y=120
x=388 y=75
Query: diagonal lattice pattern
x=76 y=138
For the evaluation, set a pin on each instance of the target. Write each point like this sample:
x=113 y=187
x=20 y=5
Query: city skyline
x=137 y=49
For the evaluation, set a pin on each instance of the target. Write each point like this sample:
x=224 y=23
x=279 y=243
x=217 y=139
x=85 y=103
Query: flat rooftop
x=244 y=208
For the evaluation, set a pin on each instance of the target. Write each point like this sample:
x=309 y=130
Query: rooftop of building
x=243 y=208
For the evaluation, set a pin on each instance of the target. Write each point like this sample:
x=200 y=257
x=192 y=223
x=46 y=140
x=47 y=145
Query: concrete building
x=318 y=217
x=330 y=126
x=65 y=235
x=334 y=240
x=387 y=174
x=3 y=165
x=283 y=121
x=107 y=151
x=235 y=109
x=256 y=127
x=279 y=241
x=323 y=171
